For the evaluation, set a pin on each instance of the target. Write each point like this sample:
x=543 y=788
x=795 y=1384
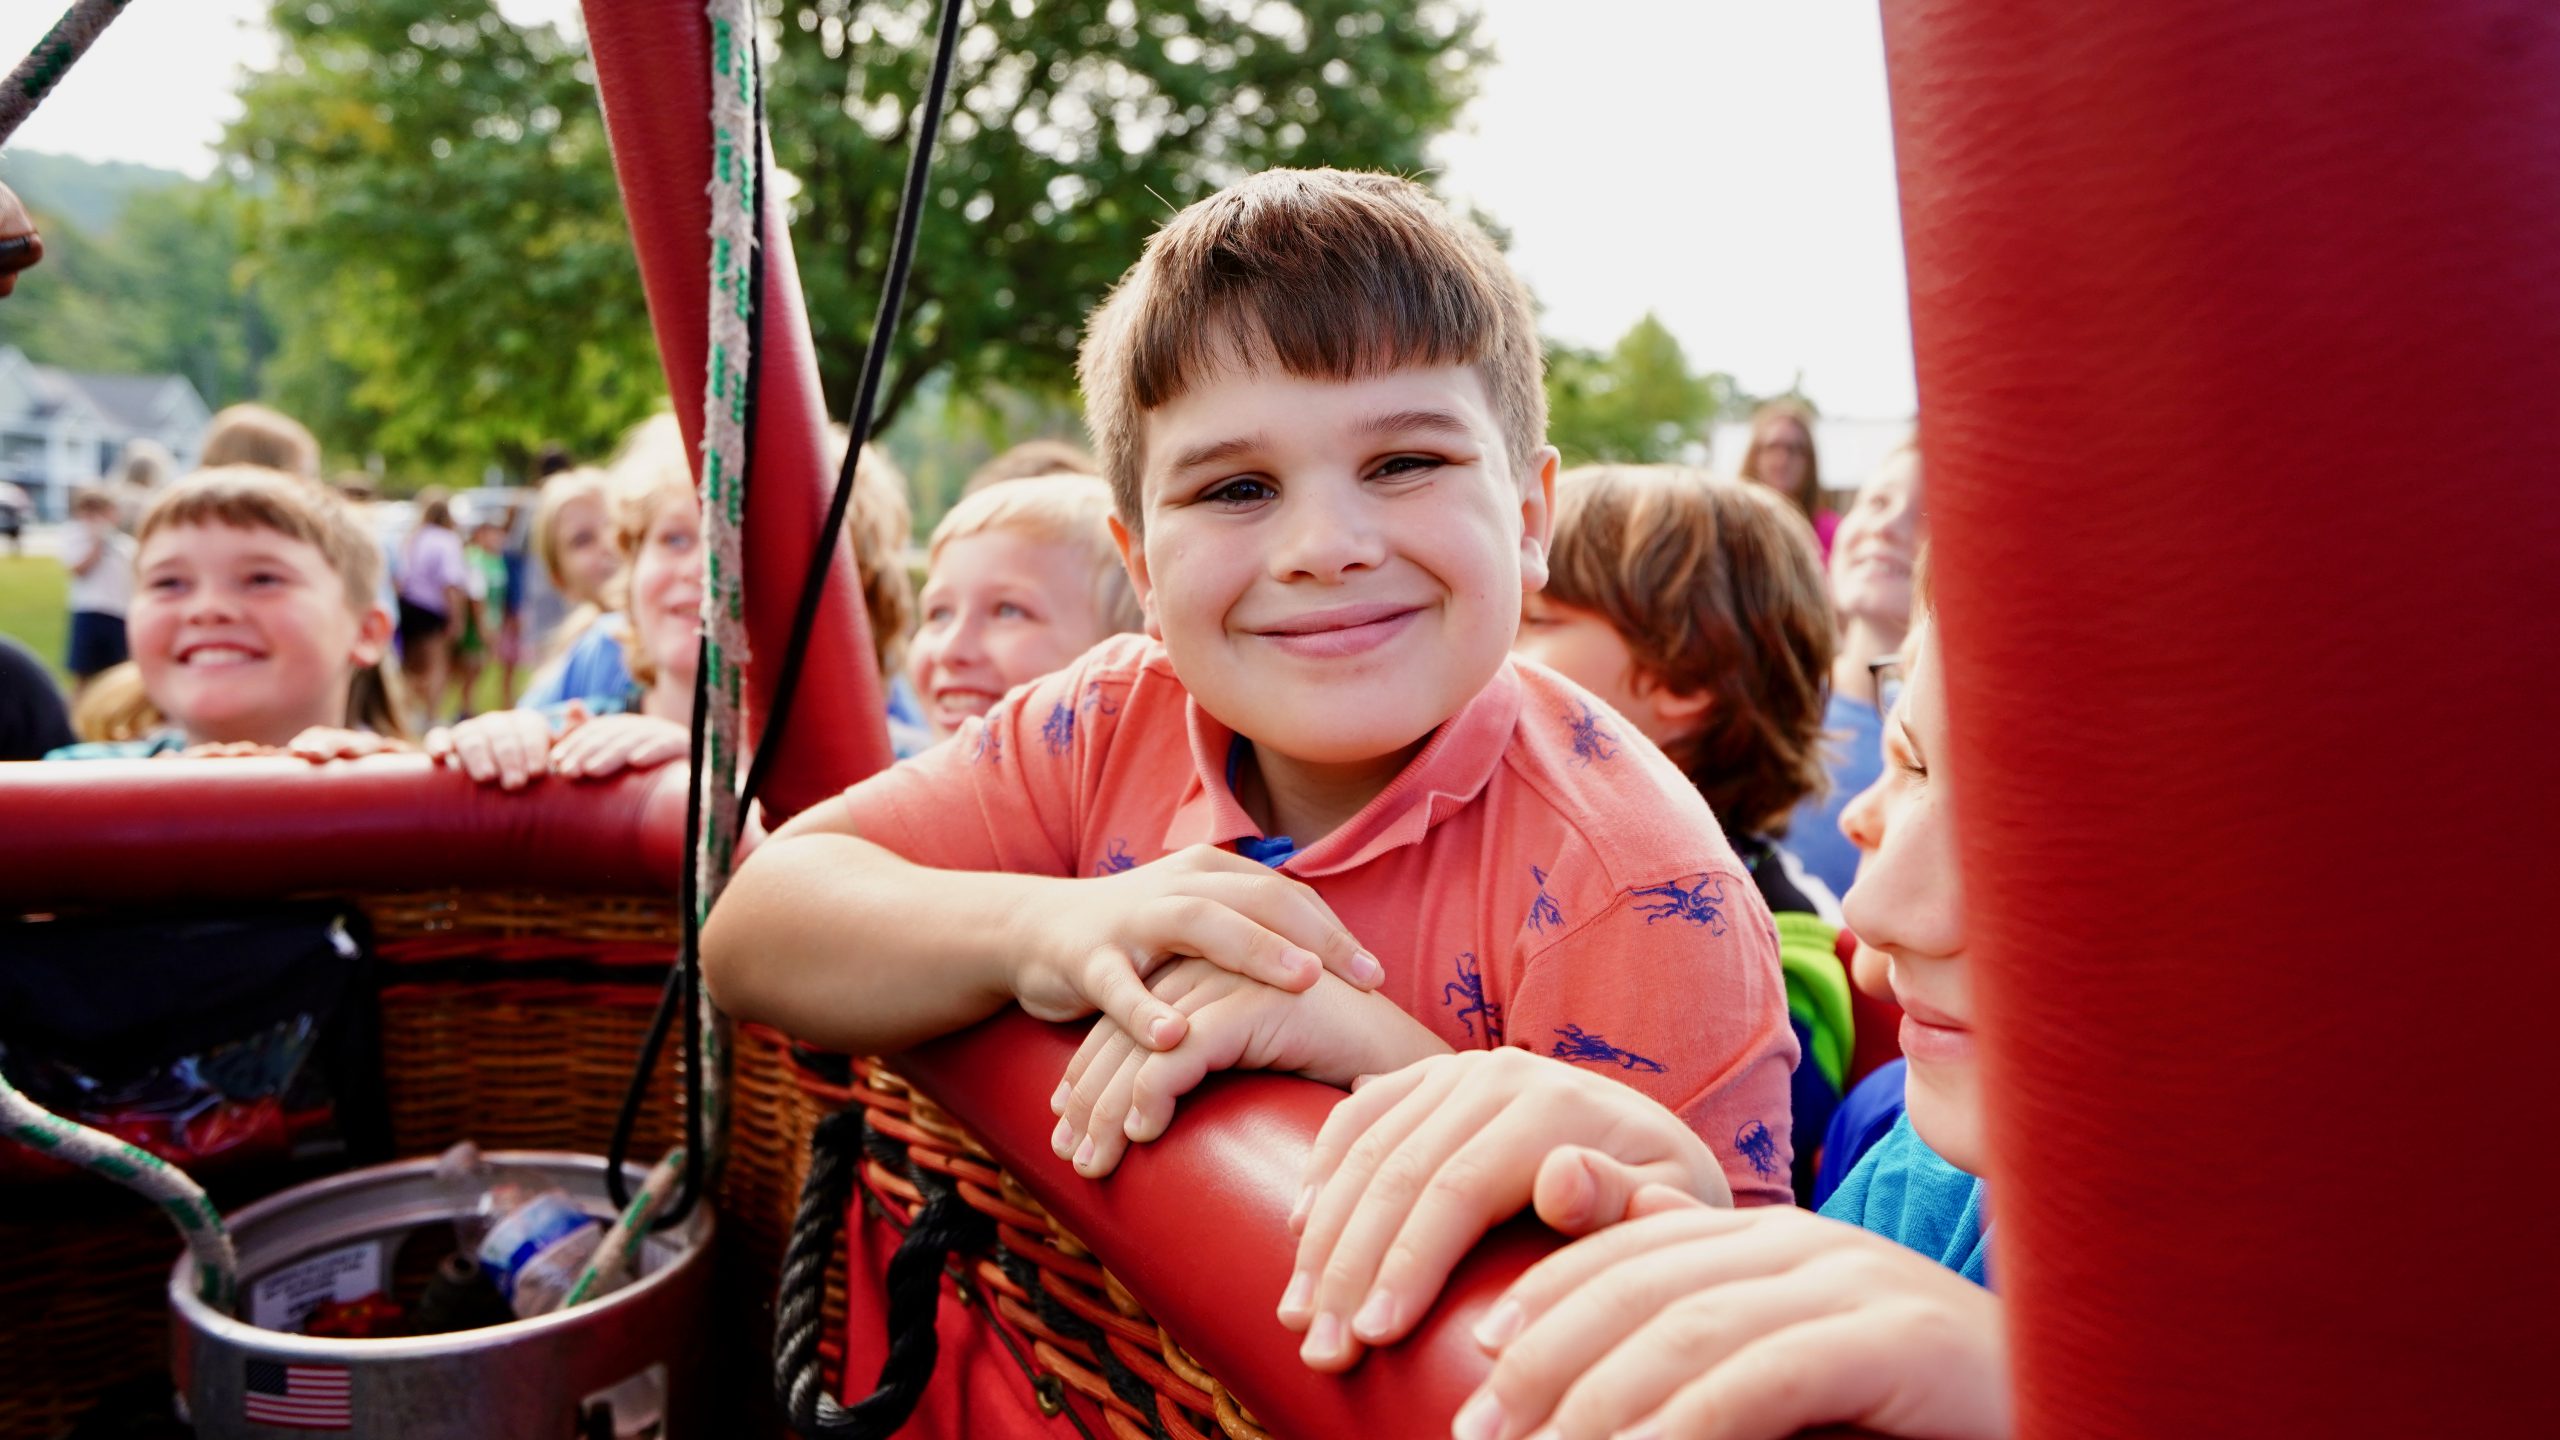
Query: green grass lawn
x=35 y=606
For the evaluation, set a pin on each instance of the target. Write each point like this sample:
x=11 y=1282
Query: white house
x=59 y=429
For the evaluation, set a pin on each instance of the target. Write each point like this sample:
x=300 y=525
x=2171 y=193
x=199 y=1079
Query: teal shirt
x=165 y=742
x=1905 y=1193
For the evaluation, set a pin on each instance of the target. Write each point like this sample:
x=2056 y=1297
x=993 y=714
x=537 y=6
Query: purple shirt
x=431 y=566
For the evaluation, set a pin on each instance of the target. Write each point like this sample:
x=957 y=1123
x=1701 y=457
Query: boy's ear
x=373 y=636
x=1537 y=518
x=1678 y=712
x=1133 y=558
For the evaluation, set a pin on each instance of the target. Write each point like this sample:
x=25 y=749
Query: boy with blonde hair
x=1021 y=578
x=1323 y=824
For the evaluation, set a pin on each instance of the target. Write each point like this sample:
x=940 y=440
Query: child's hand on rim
x=1107 y=935
x=1692 y=1322
x=505 y=748
x=1118 y=1092
x=323 y=743
x=1409 y=1173
x=611 y=744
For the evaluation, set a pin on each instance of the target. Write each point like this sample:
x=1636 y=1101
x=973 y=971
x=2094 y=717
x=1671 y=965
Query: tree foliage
x=153 y=285
x=441 y=236
x=1075 y=128
x=1638 y=403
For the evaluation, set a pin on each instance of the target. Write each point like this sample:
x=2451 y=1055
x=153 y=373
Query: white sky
x=1725 y=163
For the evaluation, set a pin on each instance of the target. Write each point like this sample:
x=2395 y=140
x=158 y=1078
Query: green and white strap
x=145 y=1174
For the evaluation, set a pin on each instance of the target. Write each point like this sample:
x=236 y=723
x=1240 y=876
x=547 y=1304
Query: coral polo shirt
x=1538 y=875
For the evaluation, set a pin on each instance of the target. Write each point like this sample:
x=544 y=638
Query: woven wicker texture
x=508 y=1019
x=1078 y=1323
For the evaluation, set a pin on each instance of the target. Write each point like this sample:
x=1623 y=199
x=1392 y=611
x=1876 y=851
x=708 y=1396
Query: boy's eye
x=1007 y=610
x=1409 y=465
x=678 y=540
x=265 y=577
x=1243 y=490
x=166 y=584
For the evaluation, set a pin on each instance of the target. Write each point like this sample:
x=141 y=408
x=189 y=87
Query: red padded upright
x=652 y=60
x=2238 y=330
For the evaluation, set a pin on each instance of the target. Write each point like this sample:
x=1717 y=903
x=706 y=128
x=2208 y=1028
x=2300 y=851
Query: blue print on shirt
x=1590 y=742
x=1095 y=700
x=1059 y=730
x=1759 y=1147
x=1469 y=986
x=1543 y=911
x=1701 y=902
x=990 y=746
x=1575 y=1043
x=1116 y=859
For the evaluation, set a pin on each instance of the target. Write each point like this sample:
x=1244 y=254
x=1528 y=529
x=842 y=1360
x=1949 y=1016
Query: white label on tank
x=283 y=1299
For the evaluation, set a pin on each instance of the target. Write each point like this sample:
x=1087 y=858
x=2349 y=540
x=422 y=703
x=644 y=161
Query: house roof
x=133 y=402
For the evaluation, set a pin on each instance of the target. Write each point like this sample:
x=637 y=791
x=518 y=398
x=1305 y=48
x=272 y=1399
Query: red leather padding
x=2238 y=331
x=652 y=60
x=143 y=832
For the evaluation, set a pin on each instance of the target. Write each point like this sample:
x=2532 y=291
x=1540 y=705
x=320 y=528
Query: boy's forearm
x=846 y=945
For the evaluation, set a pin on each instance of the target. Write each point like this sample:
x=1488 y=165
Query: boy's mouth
x=958 y=703
x=1339 y=631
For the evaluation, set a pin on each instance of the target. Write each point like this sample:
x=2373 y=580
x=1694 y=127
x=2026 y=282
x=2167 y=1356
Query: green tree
x=1075 y=128
x=1637 y=403
x=441 y=236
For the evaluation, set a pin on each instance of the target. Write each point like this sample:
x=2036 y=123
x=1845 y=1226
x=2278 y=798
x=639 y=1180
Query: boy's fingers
x=1350 y=1119
x=1098 y=1153
x=1681 y=1339
x=1215 y=1041
x=1346 y=1190
x=1427 y=1203
x=1225 y=937
x=1544 y=1285
x=1292 y=910
x=1111 y=985
x=1096 y=1037
x=1076 y=1120
x=1579 y=1190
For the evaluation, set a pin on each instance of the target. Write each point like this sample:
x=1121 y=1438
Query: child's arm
x=1117 y=1091
x=846 y=945
x=1740 y=1324
x=1410 y=1173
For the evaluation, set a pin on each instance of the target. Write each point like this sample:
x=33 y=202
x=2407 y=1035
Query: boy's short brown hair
x=252 y=497
x=1717 y=587
x=1329 y=274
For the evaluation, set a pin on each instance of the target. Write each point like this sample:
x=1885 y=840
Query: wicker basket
x=1081 y=1327
x=508 y=1019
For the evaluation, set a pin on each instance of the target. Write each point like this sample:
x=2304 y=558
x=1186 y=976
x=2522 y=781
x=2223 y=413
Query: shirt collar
x=1451 y=769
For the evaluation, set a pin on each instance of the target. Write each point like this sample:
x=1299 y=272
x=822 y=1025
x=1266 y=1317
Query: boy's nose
x=1326 y=531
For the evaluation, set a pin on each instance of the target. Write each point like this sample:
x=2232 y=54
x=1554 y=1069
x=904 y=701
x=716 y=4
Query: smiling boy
x=1321 y=821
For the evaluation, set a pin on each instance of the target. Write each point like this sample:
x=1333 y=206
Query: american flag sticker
x=296 y=1397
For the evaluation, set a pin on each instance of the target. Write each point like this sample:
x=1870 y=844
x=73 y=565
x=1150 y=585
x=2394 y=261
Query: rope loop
x=945 y=1225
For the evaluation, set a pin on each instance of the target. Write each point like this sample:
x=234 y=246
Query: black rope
x=884 y=330
x=944 y=1226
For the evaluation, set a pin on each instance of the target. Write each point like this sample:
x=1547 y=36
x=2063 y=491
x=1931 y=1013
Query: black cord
x=884 y=330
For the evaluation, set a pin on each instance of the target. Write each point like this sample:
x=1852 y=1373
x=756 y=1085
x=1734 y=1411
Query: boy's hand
x=1117 y=1091
x=1696 y=1322
x=1409 y=1173
x=1107 y=935
x=322 y=743
x=505 y=748
x=611 y=744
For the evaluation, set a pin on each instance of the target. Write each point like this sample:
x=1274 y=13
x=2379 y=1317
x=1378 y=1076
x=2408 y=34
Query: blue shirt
x=1865 y=1116
x=1904 y=1192
x=1853 y=753
x=163 y=742
x=909 y=736
x=593 y=670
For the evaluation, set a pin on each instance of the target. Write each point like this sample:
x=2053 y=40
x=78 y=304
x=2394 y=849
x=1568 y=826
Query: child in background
x=1021 y=579
x=256 y=435
x=1870 y=575
x=878 y=526
x=1696 y=608
x=484 y=561
x=573 y=538
x=1689 y=1320
x=435 y=594
x=100 y=559
x=658 y=535
x=253 y=620
x=1780 y=456
x=1326 y=825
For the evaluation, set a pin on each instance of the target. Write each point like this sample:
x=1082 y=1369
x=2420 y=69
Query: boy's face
x=1583 y=647
x=1336 y=566
x=1908 y=905
x=1876 y=546
x=246 y=634
x=1000 y=609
